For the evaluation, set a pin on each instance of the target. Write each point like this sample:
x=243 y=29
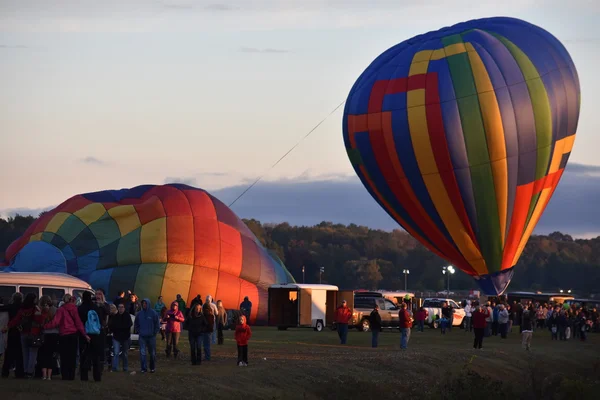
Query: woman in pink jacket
x=174 y=319
x=69 y=325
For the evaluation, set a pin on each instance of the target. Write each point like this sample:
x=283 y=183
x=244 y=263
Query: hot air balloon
x=462 y=136
x=155 y=240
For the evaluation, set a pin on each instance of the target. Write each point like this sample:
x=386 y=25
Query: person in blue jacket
x=147 y=326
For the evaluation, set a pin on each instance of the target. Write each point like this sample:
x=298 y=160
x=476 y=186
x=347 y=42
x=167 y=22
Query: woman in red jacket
x=479 y=323
x=243 y=333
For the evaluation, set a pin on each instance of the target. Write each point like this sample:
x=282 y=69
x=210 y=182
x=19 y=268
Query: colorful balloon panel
x=153 y=240
x=462 y=136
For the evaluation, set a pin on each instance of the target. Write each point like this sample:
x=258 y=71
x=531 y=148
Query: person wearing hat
x=343 y=315
x=375 y=321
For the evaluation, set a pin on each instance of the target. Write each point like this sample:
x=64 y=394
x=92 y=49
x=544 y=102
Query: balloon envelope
x=153 y=240
x=462 y=136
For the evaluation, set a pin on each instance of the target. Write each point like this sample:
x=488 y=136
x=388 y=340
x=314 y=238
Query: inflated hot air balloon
x=462 y=136
x=154 y=240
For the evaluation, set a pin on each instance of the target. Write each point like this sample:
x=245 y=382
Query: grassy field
x=303 y=364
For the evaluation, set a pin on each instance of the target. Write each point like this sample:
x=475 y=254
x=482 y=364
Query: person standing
x=375 y=322
x=222 y=321
x=215 y=312
x=196 y=329
x=246 y=308
x=120 y=326
x=446 y=318
x=480 y=317
x=181 y=303
x=104 y=314
x=29 y=320
x=243 y=333
x=146 y=323
x=405 y=323
x=420 y=318
x=50 y=346
x=13 y=354
x=90 y=353
x=174 y=320
x=343 y=315
x=210 y=318
x=69 y=325
x=159 y=305
x=527 y=328
x=468 y=316
x=503 y=321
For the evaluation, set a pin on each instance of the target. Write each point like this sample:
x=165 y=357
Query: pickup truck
x=362 y=310
x=433 y=307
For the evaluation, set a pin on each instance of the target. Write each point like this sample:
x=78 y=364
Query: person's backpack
x=92 y=325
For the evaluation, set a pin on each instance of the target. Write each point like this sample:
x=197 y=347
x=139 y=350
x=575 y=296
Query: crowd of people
x=44 y=337
x=484 y=320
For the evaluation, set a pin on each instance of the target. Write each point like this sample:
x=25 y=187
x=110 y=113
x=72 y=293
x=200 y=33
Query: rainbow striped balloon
x=154 y=240
x=462 y=136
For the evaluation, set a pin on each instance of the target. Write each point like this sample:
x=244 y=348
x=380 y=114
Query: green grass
x=303 y=364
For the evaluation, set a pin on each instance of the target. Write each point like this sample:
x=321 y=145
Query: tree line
x=357 y=257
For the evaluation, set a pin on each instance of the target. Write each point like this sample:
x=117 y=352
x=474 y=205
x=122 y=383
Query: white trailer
x=304 y=305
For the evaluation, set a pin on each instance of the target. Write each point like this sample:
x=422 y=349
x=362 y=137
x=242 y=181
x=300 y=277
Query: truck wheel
x=434 y=324
x=319 y=326
x=365 y=325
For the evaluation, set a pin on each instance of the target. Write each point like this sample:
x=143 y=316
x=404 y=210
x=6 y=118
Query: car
x=433 y=311
x=363 y=306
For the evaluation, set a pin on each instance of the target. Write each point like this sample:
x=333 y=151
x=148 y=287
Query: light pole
x=321 y=270
x=303 y=280
x=449 y=270
x=406 y=272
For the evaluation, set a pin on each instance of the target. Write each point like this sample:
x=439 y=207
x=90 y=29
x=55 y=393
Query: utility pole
x=303 y=280
x=321 y=270
x=406 y=272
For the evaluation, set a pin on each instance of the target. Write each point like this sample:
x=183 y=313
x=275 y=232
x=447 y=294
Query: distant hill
x=358 y=257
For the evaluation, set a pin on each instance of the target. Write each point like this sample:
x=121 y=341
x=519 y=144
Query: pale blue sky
x=107 y=94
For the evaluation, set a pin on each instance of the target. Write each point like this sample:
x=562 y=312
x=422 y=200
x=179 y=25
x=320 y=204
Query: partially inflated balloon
x=155 y=240
x=462 y=136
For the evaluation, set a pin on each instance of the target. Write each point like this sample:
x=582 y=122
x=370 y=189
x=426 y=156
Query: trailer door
x=305 y=307
x=347 y=295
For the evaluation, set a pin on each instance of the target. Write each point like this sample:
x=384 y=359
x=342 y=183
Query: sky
x=113 y=94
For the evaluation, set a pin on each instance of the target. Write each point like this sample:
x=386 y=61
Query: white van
x=54 y=285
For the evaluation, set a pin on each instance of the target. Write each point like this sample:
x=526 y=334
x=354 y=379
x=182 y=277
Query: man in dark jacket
x=375 y=322
x=246 y=308
x=90 y=353
x=120 y=326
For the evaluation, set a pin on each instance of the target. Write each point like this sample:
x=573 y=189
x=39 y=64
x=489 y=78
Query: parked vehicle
x=433 y=311
x=363 y=307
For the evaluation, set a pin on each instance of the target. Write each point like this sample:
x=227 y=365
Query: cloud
x=343 y=199
x=12 y=212
x=186 y=181
x=265 y=51
x=583 y=169
x=219 y=7
x=92 y=161
x=13 y=46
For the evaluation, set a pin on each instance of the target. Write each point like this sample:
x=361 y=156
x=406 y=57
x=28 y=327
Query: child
x=243 y=333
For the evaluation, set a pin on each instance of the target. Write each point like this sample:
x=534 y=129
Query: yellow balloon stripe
x=153 y=242
x=494 y=132
x=126 y=218
x=56 y=222
x=90 y=213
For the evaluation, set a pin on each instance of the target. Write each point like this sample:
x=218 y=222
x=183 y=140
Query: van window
x=25 y=290
x=389 y=305
x=6 y=292
x=54 y=293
